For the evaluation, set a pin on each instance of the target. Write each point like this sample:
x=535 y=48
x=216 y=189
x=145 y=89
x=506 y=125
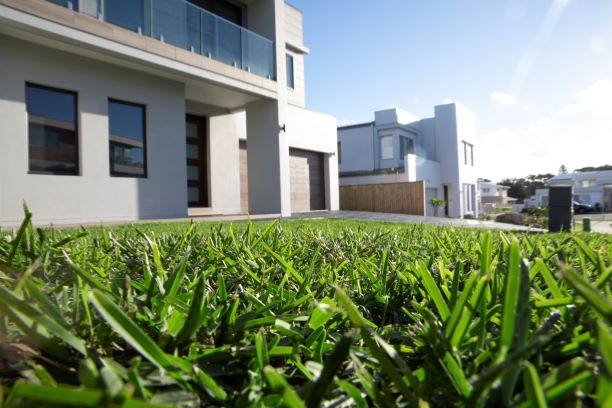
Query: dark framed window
x=406 y=146
x=52 y=131
x=290 y=76
x=127 y=139
x=339 y=153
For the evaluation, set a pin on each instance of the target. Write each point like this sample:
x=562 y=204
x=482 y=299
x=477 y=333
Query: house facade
x=117 y=110
x=592 y=187
x=493 y=193
x=398 y=146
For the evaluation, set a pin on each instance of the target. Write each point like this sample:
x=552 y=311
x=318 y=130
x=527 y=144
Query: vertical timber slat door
x=244 y=177
x=197 y=162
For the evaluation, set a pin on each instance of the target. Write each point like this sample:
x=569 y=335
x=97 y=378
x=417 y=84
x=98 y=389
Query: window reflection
x=52 y=130
x=127 y=145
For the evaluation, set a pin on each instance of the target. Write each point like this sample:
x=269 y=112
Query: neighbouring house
x=592 y=187
x=400 y=147
x=493 y=193
x=144 y=109
x=539 y=199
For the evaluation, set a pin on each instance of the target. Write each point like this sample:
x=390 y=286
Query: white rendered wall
x=92 y=196
x=316 y=132
x=448 y=155
x=356 y=145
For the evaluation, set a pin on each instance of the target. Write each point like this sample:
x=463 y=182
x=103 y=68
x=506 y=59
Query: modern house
x=141 y=109
x=592 y=187
x=398 y=146
x=493 y=193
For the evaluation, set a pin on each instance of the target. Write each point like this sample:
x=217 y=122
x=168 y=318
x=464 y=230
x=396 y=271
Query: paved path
x=412 y=219
x=599 y=222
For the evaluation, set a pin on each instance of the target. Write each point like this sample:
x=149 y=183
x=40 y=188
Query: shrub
x=510 y=218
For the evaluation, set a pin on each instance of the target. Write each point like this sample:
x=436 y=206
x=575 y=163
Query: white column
x=268 y=160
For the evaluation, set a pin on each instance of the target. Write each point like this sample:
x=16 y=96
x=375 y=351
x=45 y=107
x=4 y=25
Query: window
x=290 y=77
x=127 y=139
x=587 y=183
x=469 y=193
x=52 y=130
x=339 y=153
x=468 y=153
x=386 y=147
x=406 y=146
x=486 y=190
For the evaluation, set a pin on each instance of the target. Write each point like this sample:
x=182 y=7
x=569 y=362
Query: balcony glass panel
x=190 y=27
x=129 y=14
x=71 y=4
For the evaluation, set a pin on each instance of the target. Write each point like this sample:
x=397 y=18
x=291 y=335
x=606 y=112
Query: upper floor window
x=290 y=74
x=339 y=152
x=127 y=139
x=587 y=183
x=52 y=130
x=406 y=146
x=486 y=190
x=231 y=11
x=468 y=153
x=386 y=147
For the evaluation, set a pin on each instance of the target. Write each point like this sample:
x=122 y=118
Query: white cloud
x=578 y=134
x=597 y=98
x=347 y=122
x=503 y=98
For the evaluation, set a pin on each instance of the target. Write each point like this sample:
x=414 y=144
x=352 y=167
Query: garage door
x=306 y=176
x=307 y=180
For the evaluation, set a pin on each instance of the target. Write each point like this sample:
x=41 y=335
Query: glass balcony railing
x=187 y=26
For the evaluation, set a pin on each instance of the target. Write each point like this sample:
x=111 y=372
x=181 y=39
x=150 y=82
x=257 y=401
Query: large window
x=386 y=147
x=127 y=139
x=406 y=146
x=290 y=75
x=52 y=130
x=468 y=153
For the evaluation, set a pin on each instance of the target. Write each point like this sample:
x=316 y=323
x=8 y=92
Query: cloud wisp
x=503 y=98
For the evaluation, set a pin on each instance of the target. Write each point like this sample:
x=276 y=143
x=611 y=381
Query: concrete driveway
x=599 y=222
x=412 y=219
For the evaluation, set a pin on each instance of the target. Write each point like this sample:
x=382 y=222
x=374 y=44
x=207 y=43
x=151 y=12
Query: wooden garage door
x=307 y=180
x=244 y=178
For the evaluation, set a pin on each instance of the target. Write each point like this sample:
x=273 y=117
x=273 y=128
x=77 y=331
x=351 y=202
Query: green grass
x=303 y=313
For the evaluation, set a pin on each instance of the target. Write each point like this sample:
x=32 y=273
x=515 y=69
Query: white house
x=493 y=193
x=398 y=146
x=592 y=187
x=140 y=109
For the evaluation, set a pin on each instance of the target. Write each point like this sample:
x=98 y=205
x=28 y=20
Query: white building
x=592 y=187
x=398 y=146
x=125 y=110
x=493 y=193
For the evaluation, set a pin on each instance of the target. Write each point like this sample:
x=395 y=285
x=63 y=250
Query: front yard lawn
x=304 y=313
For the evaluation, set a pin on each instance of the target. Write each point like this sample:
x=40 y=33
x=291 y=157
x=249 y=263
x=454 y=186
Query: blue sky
x=537 y=73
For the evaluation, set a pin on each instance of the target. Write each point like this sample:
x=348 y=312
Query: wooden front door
x=446 y=201
x=197 y=162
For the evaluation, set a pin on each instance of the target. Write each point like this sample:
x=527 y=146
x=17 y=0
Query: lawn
x=304 y=313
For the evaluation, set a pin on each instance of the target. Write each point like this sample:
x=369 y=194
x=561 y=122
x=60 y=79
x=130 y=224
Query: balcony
x=187 y=26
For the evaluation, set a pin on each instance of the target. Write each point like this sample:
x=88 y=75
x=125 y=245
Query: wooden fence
x=404 y=198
